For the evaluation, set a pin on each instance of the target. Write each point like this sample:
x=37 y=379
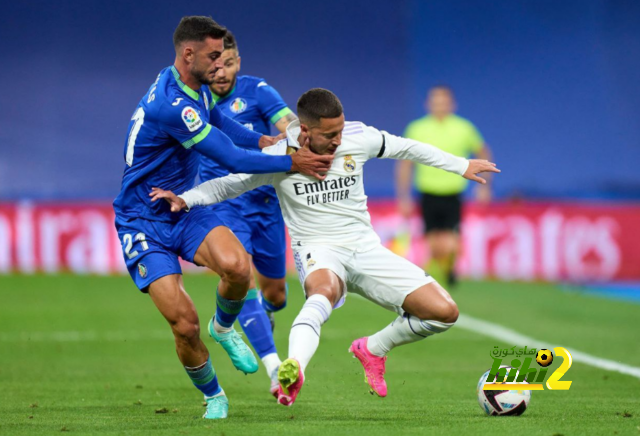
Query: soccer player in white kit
x=335 y=247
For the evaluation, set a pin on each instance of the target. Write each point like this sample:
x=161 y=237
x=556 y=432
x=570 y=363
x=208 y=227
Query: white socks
x=271 y=363
x=305 y=332
x=403 y=330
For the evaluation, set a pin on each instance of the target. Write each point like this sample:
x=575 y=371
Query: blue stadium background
x=552 y=85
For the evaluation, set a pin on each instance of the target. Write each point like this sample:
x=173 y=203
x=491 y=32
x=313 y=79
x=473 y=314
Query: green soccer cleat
x=217 y=406
x=241 y=355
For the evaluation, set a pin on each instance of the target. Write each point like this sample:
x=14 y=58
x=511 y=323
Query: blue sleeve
x=238 y=133
x=272 y=106
x=184 y=123
x=218 y=147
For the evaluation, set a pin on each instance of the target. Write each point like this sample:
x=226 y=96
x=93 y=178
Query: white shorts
x=378 y=274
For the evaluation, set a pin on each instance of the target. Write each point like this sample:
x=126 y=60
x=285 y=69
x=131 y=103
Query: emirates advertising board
x=551 y=241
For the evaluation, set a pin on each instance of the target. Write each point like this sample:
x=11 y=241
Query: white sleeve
x=231 y=186
x=395 y=147
x=224 y=188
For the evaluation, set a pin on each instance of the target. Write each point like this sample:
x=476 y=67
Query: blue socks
x=227 y=310
x=204 y=378
x=256 y=325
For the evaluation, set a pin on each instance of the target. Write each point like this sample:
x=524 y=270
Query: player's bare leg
x=223 y=253
x=273 y=294
x=273 y=290
x=431 y=302
x=323 y=289
x=171 y=299
x=174 y=303
x=428 y=310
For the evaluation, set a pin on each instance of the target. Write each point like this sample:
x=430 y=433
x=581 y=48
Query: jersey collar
x=217 y=98
x=190 y=92
x=293 y=131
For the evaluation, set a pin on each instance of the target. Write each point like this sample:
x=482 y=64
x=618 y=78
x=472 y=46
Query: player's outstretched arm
x=217 y=146
x=396 y=147
x=213 y=191
x=224 y=188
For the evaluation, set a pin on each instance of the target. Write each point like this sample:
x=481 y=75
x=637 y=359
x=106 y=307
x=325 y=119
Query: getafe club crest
x=238 y=105
x=142 y=270
x=349 y=164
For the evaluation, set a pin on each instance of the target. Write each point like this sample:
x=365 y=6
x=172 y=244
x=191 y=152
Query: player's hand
x=177 y=203
x=268 y=141
x=307 y=162
x=477 y=166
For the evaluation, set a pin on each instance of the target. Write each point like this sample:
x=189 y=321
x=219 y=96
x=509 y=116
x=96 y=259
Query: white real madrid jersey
x=332 y=211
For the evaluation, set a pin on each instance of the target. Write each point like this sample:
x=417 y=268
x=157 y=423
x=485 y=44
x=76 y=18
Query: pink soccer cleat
x=373 y=367
x=291 y=379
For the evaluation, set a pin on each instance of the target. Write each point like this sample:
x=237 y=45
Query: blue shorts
x=261 y=234
x=151 y=248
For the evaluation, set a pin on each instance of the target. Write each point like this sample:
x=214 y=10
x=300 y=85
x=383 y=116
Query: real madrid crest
x=349 y=164
x=310 y=262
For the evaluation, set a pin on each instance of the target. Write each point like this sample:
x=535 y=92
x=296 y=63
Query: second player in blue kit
x=254 y=217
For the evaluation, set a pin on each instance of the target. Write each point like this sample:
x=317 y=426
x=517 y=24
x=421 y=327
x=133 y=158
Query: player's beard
x=231 y=86
x=201 y=76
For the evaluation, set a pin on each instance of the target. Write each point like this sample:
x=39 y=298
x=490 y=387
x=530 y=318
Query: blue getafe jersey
x=257 y=105
x=168 y=121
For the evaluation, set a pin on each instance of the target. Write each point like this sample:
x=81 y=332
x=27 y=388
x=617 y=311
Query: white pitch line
x=509 y=336
x=86 y=336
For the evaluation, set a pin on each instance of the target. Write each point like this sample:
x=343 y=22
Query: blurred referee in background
x=441 y=192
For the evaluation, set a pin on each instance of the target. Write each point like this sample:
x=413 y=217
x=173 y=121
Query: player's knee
x=448 y=312
x=445 y=311
x=326 y=290
x=275 y=293
x=236 y=268
x=186 y=329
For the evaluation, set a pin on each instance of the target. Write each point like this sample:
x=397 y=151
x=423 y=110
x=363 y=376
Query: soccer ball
x=502 y=403
x=544 y=357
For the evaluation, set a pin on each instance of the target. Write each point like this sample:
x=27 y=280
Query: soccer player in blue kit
x=254 y=217
x=176 y=117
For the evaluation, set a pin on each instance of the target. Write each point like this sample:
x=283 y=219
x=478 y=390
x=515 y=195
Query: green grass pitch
x=91 y=355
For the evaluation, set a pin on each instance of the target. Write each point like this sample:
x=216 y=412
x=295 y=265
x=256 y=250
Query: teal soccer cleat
x=241 y=355
x=217 y=406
